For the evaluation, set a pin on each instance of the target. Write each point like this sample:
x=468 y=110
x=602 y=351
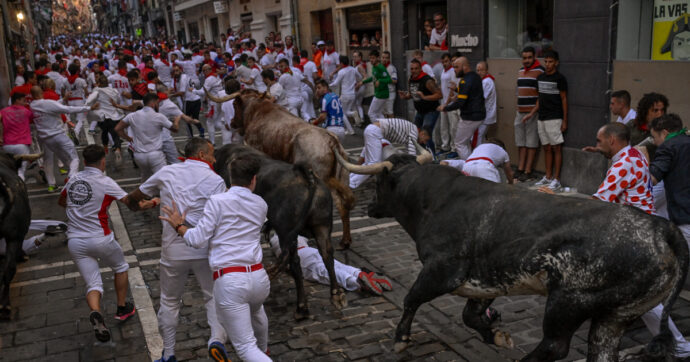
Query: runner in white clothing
x=171 y=111
x=485 y=161
x=147 y=125
x=347 y=79
x=164 y=69
x=231 y=228
x=190 y=184
x=292 y=87
x=230 y=135
x=75 y=91
x=86 y=198
x=214 y=117
x=51 y=134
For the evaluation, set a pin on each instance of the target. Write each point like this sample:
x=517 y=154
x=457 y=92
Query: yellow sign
x=671 y=34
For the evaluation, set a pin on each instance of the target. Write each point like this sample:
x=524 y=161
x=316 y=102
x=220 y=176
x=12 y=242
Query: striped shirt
x=527 y=92
x=398 y=130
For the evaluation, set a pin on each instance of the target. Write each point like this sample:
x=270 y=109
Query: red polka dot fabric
x=626 y=181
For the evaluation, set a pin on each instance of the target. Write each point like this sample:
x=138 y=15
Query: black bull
x=15 y=217
x=298 y=203
x=481 y=240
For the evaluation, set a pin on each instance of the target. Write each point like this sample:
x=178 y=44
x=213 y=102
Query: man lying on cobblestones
x=86 y=197
x=349 y=277
x=190 y=184
x=231 y=229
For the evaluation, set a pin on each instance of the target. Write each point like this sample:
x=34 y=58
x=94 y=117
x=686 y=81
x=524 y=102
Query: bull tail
x=308 y=175
x=663 y=345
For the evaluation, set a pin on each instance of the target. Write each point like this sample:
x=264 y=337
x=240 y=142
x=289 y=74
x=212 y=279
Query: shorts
x=87 y=251
x=550 y=132
x=526 y=134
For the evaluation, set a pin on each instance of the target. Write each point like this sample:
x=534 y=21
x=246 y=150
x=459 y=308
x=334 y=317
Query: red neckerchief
x=167 y=63
x=212 y=74
x=50 y=94
x=534 y=65
x=643 y=127
x=197 y=54
x=329 y=54
x=200 y=160
x=122 y=72
x=162 y=96
x=156 y=56
x=300 y=67
x=256 y=67
x=72 y=78
x=132 y=62
x=424 y=63
x=289 y=71
x=446 y=69
x=358 y=63
x=420 y=76
x=386 y=64
x=303 y=61
x=230 y=63
x=174 y=83
x=489 y=76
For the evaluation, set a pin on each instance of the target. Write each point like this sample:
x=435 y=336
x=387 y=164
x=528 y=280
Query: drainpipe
x=613 y=31
x=295 y=22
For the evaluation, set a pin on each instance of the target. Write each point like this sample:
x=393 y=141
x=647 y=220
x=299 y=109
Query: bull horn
x=221 y=99
x=424 y=155
x=30 y=157
x=362 y=169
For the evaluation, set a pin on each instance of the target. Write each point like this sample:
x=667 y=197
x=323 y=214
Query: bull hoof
x=400 y=346
x=339 y=299
x=502 y=339
x=301 y=313
x=343 y=245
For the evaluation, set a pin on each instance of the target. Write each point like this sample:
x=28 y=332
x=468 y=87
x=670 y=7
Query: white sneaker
x=543 y=182
x=555 y=185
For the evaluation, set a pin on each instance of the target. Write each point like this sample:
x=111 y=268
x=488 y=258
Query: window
x=364 y=25
x=515 y=24
x=656 y=30
x=193 y=31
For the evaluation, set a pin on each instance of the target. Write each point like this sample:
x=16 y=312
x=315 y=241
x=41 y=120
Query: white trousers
x=239 y=301
x=482 y=169
x=652 y=320
x=685 y=229
x=19 y=150
x=170 y=150
x=359 y=98
x=294 y=104
x=371 y=152
x=376 y=109
x=390 y=102
x=444 y=132
x=348 y=103
x=29 y=245
x=149 y=163
x=173 y=276
x=214 y=123
x=314 y=269
x=80 y=117
x=61 y=146
x=338 y=131
x=481 y=135
x=231 y=136
x=87 y=251
x=463 y=137
x=307 y=108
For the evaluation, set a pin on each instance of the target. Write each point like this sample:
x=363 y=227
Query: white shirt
x=436 y=38
x=19 y=80
x=88 y=195
x=190 y=185
x=329 y=63
x=147 y=126
x=309 y=71
x=231 y=227
x=228 y=109
x=164 y=71
x=76 y=89
x=292 y=85
x=347 y=79
x=266 y=61
x=494 y=152
x=121 y=84
x=426 y=68
x=489 y=100
x=57 y=78
x=628 y=117
x=243 y=72
x=278 y=93
x=448 y=77
x=185 y=83
x=188 y=67
x=47 y=116
x=258 y=84
x=171 y=111
x=104 y=96
x=393 y=72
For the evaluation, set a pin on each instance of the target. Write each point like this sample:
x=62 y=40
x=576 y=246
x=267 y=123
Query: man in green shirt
x=381 y=79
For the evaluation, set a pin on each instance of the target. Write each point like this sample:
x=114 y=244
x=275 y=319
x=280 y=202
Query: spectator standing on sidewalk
x=620 y=106
x=392 y=86
x=553 y=118
x=425 y=94
x=526 y=134
x=489 y=85
x=445 y=131
x=671 y=164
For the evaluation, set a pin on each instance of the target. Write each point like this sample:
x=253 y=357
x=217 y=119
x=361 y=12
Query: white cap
x=245 y=40
x=320 y=43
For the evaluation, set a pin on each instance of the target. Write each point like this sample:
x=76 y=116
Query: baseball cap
x=320 y=43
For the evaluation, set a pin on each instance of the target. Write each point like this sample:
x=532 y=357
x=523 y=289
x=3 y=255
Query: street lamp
x=20 y=16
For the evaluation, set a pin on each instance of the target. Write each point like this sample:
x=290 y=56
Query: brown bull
x=274 y=131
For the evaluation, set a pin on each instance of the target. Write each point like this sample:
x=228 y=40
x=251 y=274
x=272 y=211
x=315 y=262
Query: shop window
x=656 y=30
x=515 y=24
x=193 y=31
x=426 y=20
x=364 y=26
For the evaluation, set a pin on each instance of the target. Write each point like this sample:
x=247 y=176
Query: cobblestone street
x=50 y=316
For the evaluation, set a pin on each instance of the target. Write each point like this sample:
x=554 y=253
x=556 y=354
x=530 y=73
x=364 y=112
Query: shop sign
x=220 y=7
x=464 y=43
x=671 y=33
x=177 y=16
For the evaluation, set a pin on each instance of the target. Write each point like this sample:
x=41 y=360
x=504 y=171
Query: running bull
x=480 y=240
x=15 y=217
x=298 y=203
x=271 y=129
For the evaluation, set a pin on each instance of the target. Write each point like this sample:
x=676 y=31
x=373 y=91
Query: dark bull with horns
x=608 y=263
x=298 y=204
x=15 y=217
x=274 y=131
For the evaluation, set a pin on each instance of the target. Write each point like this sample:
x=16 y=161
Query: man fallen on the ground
x=349 y=277
x=31 y=245
x=484 y=162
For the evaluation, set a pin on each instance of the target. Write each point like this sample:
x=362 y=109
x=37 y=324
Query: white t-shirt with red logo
x=89 y=194
x=628 y=181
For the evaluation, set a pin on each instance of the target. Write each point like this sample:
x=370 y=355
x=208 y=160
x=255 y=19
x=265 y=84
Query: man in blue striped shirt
x=331 y=110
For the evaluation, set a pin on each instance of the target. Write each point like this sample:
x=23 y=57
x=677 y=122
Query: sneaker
x=73 y=136
x=43 y=176
x=452 y=155
x=63 y=171
x=383 y=283
x=52 y=230
x=118 y=157
x=125 y=312
x=169 y=359
x=543 y=182
x=99 y=328
x=555 y=185
x=366 y=282
x=216 y=352
x=92 y=131
x=53 y=188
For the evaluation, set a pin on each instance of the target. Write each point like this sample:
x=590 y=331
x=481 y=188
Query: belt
x=480 y=158
x=301 y=247
x=75 y=98
x=236 y=269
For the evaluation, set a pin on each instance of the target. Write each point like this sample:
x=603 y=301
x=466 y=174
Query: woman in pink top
x=15 y=134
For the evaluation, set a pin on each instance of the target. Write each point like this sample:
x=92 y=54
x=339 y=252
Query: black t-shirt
x=550 y=87
x=419 y=85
